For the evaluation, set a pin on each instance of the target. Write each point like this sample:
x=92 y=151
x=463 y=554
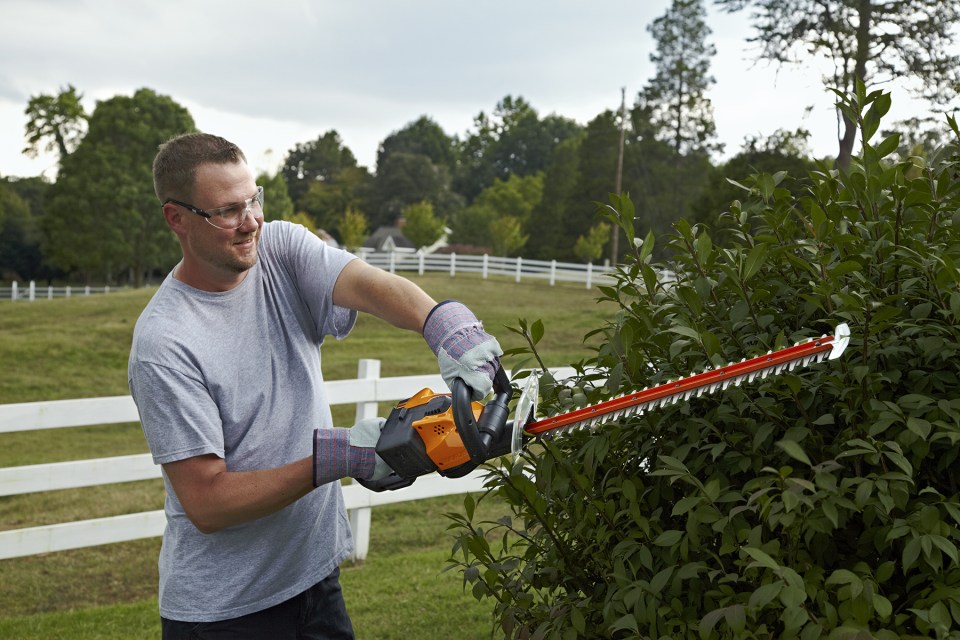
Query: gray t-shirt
x=237 y=374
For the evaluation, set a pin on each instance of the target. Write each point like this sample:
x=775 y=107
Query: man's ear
x=174 y=217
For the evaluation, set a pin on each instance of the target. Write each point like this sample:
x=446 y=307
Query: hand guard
x=463 y=349
x=348 y=453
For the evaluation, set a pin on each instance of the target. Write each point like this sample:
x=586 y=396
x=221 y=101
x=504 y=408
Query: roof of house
x=384 y=237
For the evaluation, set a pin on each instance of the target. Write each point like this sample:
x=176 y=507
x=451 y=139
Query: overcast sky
x=268 y=75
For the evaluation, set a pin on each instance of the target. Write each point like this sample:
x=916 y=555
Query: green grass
x=78 y=347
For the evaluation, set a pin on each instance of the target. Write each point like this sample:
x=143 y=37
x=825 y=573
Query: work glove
x=349 y=453
x=463 y=349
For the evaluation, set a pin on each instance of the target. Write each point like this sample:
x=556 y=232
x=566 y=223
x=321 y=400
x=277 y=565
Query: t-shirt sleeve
x=314 y=267
x=178 y=416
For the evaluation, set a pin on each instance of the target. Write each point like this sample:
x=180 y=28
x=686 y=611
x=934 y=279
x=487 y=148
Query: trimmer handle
x=480 y=436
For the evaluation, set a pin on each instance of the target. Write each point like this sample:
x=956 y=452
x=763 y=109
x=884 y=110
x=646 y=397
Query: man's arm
x=214 y=498
x=389 y=297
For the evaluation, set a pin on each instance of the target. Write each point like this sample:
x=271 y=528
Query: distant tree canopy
x=59 y=120
x=516 y=181
x=102 y=216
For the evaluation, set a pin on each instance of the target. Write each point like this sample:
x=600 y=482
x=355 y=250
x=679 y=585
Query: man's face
x=221 y=255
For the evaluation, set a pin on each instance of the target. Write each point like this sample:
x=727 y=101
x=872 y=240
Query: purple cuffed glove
x=349 y=453
x=463 y=349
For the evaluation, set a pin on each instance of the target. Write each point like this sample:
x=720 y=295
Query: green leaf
x=765 y=594
x=536 y=331
x=627 y=622
x=686 y=504
x=754 y=261
x=685 y=331
x=793 y=449
x=736 y=618
x=761 y=558
x=668 y=538
x=889 y=145
x=793 y=596
x=920 y=427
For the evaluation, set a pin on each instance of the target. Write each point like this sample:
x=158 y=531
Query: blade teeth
x=597 y=418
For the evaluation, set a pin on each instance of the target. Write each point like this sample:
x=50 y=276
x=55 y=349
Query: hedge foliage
x=820 y=503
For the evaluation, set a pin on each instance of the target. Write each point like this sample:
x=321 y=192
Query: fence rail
x=32 y=292
x=365 y=392
x=517 y=268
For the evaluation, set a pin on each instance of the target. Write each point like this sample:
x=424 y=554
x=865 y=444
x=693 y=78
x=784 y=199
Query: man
x=225 y=371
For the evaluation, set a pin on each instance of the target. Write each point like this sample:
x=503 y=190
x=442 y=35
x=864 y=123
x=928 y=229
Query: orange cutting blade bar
x=774 y=362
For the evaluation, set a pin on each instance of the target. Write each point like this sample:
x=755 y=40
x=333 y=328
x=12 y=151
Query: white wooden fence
x=32 y=292
x=517 y=268
x=366 y=391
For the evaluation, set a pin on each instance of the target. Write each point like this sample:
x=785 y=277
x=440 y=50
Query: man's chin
x=241 y=266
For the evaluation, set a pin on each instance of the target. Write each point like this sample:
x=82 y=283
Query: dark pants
x=318 y=613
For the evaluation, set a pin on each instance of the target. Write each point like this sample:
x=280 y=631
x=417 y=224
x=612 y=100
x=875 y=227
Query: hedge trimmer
x=451 y=435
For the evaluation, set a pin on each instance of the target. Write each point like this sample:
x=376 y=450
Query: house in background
x=387 y=239
x=391 y=238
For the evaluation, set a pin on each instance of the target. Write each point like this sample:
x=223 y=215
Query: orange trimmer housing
x=437 y=428
x=447 y=433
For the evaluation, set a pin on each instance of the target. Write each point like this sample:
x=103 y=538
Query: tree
x=662 y=183
x=515 y=198
x=406 y=178
x=352 y=228
x=783 y=151
x=873 y=41
x=820 y=503
x=21 y=215
x=319 y=160
x=60 y=119
x=422 y=137
x=326 y=200
x=421 y=226
x=675 y=98
x=589 y=247
x=15 y=226
x=277 y=204
x=514 y=141
x=102 y=216
x=506 y=235
x=548 y=226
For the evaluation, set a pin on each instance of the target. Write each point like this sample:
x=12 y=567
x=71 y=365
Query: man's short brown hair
x=176 y=162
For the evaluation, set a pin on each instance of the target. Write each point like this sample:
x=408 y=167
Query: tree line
x=518 y=182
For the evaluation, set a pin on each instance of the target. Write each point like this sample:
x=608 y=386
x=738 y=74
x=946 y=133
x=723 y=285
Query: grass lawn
x=78 y=347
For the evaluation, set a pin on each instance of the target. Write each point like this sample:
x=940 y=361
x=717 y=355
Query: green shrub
x=819 y=503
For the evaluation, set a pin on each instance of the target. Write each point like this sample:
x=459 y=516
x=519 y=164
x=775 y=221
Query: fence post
x=86 y=290
x=393 y=261
x=589 y=273
x=553 y=272
x=66 y=292
x=453 y=264
x=13 y=290
x=420 y=262
x=360 y=518
x=49 y=292
x=519 y=267
x=486 y=265
x=32 y=293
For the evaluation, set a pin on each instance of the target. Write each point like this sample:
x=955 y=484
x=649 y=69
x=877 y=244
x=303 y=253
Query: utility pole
x=618 y=183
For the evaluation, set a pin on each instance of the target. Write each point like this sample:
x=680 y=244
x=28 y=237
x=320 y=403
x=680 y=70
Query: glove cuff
x=445 y=319
x=335 y=458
